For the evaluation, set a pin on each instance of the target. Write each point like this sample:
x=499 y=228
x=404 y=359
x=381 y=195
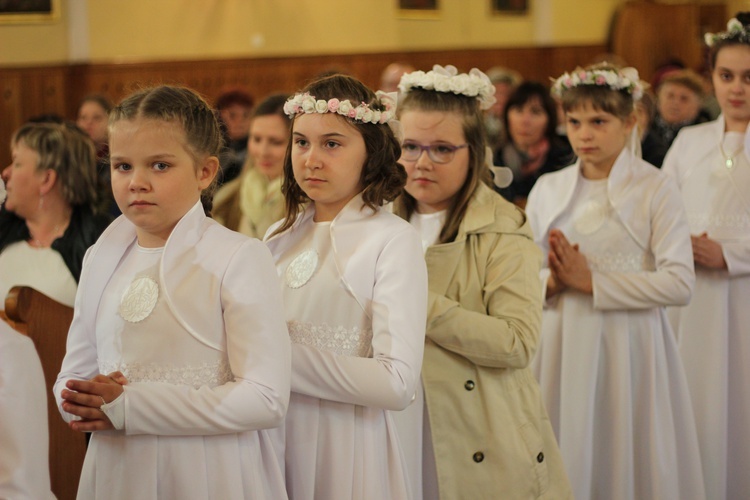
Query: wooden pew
x=46 y=322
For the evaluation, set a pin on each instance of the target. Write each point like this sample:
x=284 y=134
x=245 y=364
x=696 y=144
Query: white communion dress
x=713 y=331
x=608 y=365
x=199 y=398
x=354 y=358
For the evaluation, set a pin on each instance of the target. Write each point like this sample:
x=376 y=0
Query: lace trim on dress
x=621 y=262
x=196 y=375
x=739 y=221
x=353 y=341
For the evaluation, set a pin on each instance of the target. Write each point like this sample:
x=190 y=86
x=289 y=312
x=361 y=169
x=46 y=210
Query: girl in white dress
x=355 y=290
x=711 y=163
x=617 y=244
x=178 y=356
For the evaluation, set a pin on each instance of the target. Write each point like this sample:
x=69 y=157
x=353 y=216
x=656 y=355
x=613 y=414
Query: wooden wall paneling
x=31 y=91
x=11 y=113
x=648 y=34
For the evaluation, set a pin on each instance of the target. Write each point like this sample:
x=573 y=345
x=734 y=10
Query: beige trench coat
x=491 y=434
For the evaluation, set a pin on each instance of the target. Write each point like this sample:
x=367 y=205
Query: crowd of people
x=340 y=293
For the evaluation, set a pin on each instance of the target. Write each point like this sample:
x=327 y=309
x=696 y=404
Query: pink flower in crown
x=352 y=113
x=568 y=82
x=333 y=105
x=582 y=76
x=601 y=80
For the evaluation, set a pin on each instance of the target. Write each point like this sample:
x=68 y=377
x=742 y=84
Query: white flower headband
x=305 y=103
x=735 y=31
x=446 y=79
x=623 y=79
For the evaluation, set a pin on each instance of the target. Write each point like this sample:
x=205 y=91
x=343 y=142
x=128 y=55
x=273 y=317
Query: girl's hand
x=85 y=398
x=554 y=285
x=707 y=252
x=568 y=263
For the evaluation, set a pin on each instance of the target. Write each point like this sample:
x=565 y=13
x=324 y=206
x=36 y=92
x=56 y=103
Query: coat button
x=540 y=457
x=478 y=456
x=469 y=385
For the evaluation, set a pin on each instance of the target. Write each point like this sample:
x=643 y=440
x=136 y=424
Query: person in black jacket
x=532 y=145
x=49 y=218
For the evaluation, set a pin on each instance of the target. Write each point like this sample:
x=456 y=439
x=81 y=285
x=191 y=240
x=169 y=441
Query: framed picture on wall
x=29 y=11
x=510 y=6
x=416 y=8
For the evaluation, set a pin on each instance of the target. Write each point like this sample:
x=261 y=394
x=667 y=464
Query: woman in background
x=49 y=219
x=533 y=147
x=251 y=203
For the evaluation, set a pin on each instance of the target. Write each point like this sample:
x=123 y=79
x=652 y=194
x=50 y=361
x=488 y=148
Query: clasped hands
x=568 y=266
x=84 y=399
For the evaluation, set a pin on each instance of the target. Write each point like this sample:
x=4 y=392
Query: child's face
x=597 y=137
x=677 y=103
x=328 y=155
x=155 y=180
x=432 y=184
x=269 y=136
x=731 y=78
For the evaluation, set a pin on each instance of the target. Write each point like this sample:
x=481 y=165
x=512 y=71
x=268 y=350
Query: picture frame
x=418 y=9
x=29 y=11
x=509 y=6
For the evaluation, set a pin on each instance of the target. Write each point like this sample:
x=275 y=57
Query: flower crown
x=624 y=79
x=305 y=103
x=446 y=79
x=735 y=31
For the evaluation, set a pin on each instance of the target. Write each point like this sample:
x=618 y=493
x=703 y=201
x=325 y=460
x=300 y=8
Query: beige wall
x=147 y=30
x=142 y=30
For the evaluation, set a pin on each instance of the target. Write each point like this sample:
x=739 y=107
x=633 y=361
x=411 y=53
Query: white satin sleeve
x=737 y=257
x=80 y=361
x=671 y=283
x=389 y=379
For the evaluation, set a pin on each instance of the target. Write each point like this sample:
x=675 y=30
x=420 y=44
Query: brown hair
x=601 y=97
x=383 y=178
x=67 y=150
x=473 y=129
x=184 y=107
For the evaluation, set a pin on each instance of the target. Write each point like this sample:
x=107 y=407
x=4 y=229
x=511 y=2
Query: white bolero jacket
x=381 y=264
x=649 y=205
x=221 y=286
x=717 y=198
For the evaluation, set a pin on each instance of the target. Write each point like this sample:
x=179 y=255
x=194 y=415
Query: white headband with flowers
x=446 y=79
x=624 y=79
x=735 y=31
x=306 y=103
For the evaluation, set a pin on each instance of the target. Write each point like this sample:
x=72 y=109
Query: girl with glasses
x=486 y=433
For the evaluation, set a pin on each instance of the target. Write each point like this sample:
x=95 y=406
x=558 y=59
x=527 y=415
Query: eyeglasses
x=438 y=153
